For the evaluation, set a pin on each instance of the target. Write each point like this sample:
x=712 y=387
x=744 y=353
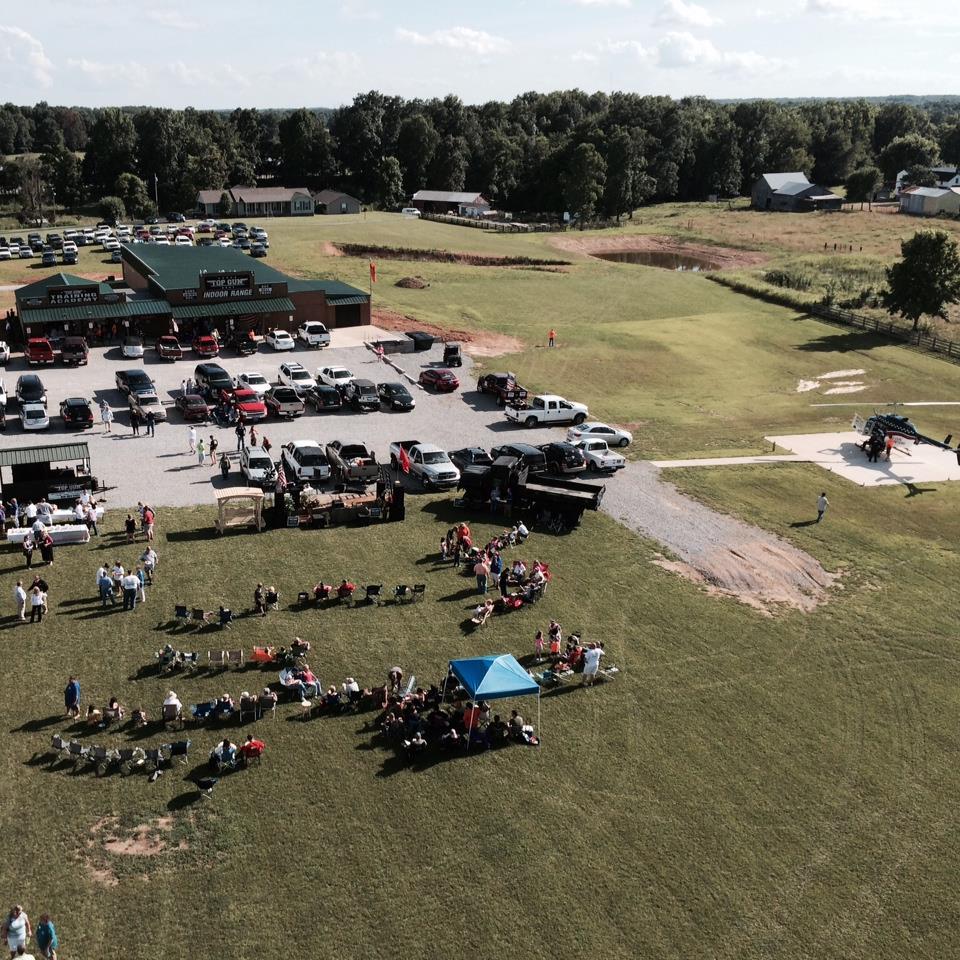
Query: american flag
x=281 y=477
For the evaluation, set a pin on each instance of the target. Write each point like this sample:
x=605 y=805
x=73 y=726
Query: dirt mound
x=442 y=256
x=412 y=283
x=478 y=343
x=721 y=258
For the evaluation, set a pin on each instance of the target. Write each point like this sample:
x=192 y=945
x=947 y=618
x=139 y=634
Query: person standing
x=28 y=546
x=141 y=585
x=224 y=466
x=71 y=697
x=130 y=583
x=17 y=930
x=241 y=433
x=106 y=416
x=149 y=519
x=591 y=664
x=130 y=527
x=552 y=338
x=481 y=569
x=192 y=439
x=46 y=936
x=105 y=586
x=253 y=435
x=149 y=560
x=46 y=548
x=212 y=450
x=36 y=605
x=538 y=646
x=201 y=452
x=151 y=423
x=20 y=598
x=888 y=443
x=135 y=423
x=822 y=504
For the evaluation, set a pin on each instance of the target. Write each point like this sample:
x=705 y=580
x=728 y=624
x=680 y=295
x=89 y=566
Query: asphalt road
x=161 y=471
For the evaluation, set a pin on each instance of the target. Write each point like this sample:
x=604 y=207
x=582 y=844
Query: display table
x=336 y=508
x=66 y=516
x=63 y=534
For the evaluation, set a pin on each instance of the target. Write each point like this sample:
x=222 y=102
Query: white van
x=410 y=212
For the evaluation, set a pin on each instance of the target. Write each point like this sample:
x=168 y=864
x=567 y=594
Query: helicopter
x=900 y=426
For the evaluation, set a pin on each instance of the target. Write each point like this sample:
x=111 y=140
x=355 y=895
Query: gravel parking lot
x=162 y=472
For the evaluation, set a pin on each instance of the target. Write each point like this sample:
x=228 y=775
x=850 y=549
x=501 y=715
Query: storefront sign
x=73 y=296
x=226 y=286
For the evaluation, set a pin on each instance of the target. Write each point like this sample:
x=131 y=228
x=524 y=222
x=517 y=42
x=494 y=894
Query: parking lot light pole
x=156 y=194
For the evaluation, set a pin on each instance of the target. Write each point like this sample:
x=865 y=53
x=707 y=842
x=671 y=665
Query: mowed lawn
x=748 y=787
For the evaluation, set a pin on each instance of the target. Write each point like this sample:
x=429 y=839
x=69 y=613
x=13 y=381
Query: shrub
x=792 y=279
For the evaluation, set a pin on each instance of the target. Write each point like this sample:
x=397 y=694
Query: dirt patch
x=720 y=258
x=443 y=256
x=478 y=343
x=412 y=283
x=102 y=876
x=144 y=840
x=328 y=249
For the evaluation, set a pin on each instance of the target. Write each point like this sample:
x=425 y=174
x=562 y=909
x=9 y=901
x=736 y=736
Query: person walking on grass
x=552 y=338
x=71 y=697
x=822 y=504
x=192 y=439
x=17 y=930
x=46 y=937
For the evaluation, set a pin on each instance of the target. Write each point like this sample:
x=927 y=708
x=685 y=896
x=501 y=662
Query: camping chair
x=205 y=786
x=201 y=712
x=373 y=593
x=235 y=658
x=402 y=592
x=199 y=615
x=155 y=758
x=346 y=599
x=78 y=751
x=267 y=705
x=216 y=658
x=180 y=612
x=179 y=750
x=410 y=687
x=226 y=618
x=190 y=661
x=321 y=592
x=248 y=705
x=131 y=759
x=263 y=655
x=419 y=590
x=171 y=713
x=58 y=745
x=303 y=598
x=608 y=673
x=103 y=758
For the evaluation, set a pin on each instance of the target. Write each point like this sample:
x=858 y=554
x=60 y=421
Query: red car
x=440 y=379
x=168 y=348
x=38 y=350
x=248 y=402
x=206 y=346
x=192 y=406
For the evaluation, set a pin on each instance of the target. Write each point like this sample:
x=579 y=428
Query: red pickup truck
x=38 y=350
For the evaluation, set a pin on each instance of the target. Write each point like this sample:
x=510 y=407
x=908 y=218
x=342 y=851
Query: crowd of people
x=39 y=516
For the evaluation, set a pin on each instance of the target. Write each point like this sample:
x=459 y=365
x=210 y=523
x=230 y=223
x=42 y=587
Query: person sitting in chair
x=252 y=749
x=416 y=745
x=309 y=682
x=395 y=679
x=351 y=689
x=225 y=705
x=273 y=598
x=345 y=589
x=94 y=716
x=299 y=647
x=114 y=711
x=331 y=699
x=516 y=725
x=267 y=700
x=224 y=755
x=321 y=591
x=522 y=532
x=498 y=731
x=139 y=718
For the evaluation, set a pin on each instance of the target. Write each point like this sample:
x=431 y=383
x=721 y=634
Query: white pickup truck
x=600 y=458
x=314 y=334
x=428 y=462
x=545 y=409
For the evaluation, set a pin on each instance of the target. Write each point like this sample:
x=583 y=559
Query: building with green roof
x=186 y=290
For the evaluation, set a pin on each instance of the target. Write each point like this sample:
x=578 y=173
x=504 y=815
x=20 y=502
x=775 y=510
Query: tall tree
x=907 y=151
x=862 y=184
x=111 y=150
x=583 y=180
x=417 y=141
x=628 y=184
x=306 y=150
x=135 y=196
x=389 y=183
x=927 y=278
x=62 y=170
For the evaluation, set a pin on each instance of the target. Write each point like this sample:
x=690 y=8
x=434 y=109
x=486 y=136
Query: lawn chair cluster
x=327 y=594
x=126 y=760
x=170 y=660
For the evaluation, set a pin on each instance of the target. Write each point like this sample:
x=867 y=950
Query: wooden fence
x=940 y=346
x=506 y=226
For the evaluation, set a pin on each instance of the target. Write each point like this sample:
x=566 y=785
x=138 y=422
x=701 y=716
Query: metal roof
x=448 y=196
x=328 y=196
x=777 y=180
x=236 y=308
x=346 y=301
x=39 y=287
x=94 y=311
x=330 y=288
x=268 y=194
x=50 y=454
x=794 y=188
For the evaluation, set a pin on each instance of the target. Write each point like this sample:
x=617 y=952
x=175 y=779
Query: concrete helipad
x=840 y=453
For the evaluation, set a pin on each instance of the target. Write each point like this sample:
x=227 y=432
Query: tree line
x=591 y=154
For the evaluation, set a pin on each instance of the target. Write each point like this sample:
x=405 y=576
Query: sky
x=227 y=53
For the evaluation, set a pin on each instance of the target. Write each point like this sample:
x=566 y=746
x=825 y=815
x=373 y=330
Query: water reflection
x=658 y=258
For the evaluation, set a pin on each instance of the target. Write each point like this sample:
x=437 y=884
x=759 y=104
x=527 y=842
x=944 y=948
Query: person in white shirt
x=16 y=928
x=31 y=511
x=20 y=596
x=117 y=575
x=91 y=519
x=591 y=663
x=172 y=700
x=131 y=584
x=522 y=532
x=149 y=560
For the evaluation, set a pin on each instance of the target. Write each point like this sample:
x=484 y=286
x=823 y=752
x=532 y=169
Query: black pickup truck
x=504 y=387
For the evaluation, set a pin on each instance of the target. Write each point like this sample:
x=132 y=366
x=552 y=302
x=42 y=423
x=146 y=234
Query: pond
x=658 y=258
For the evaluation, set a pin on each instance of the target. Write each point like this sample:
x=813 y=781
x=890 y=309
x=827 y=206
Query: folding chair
x=346 y=599
x=419 y=590
x=373 y=593
x=180 y=612
x=190 y=661
x=131 y=759
x=235 y=658
x=171 y=713
x=248 y=705
x=154 y=758
x=401 y=592
x=303 y=598
x=102 y=758
x=226 y=618
x=179 y=750
x=78 y=751
x=216 y=658
x=263 y=655
x=205 y=786
x=481 y=620
x=410 y=686
x=199 y=615
x=321 y=592
x=267 y=705
x=59 y=746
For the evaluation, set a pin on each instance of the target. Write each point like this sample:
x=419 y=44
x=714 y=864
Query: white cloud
x=321 y=67
x=457 y=38
x=687 y=14
x=358 y=10
x=172 y=19
x=129 y=72
x=584 y=56
x=852 y=10
x=19 y=48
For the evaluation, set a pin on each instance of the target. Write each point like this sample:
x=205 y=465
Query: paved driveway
x=161 y=471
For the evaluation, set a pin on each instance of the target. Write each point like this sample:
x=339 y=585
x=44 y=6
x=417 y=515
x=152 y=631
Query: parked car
x=192 y=406
x=132 y=347
x=211 y=378
x=395 y=396
x=361 y=395
x=545 y=409
x=504 y=387
x=248 y=402
x=351 y=461
x=337 y=377
x=4 y=353
x=176 y=218
x=439 y=378
x=305 y=460
x=33 y=416
x=48 y=259
x=428 y=463
x=297 y=376
x=279 y=340
x=531 y=457
x=144 y=403
x=244 y=343
x=76 y=412
x=314 y=334
x=325 y=398
x=69 y=258
x=470 y=457
x=257 y=250
x=205 y=346
x=30 y=389
x=168 y=348
x=284 y=402
x=600 y=458
x=38 y=350
x=563 y=458
x=134 y=381
x=251 y=380
x=74 y=351
x=614 y=436
x=257 y=467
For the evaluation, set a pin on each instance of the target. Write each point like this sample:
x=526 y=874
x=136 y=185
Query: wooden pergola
x=239 y=507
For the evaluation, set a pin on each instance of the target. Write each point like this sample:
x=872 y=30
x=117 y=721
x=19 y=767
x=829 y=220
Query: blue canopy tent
x=495 y=678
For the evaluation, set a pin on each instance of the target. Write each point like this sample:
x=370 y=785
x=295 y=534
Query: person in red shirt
x=251 y=750
x=345 y=589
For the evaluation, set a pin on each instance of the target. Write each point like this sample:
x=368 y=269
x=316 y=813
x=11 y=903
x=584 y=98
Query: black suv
x=563 y=457
x=212 y=378
x=361 y=395
x=30 y=389
x=134 y=381
x=529 y=456
x=324 y=397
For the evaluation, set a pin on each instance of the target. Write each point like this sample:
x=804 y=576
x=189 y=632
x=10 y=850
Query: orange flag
x=373 y=272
